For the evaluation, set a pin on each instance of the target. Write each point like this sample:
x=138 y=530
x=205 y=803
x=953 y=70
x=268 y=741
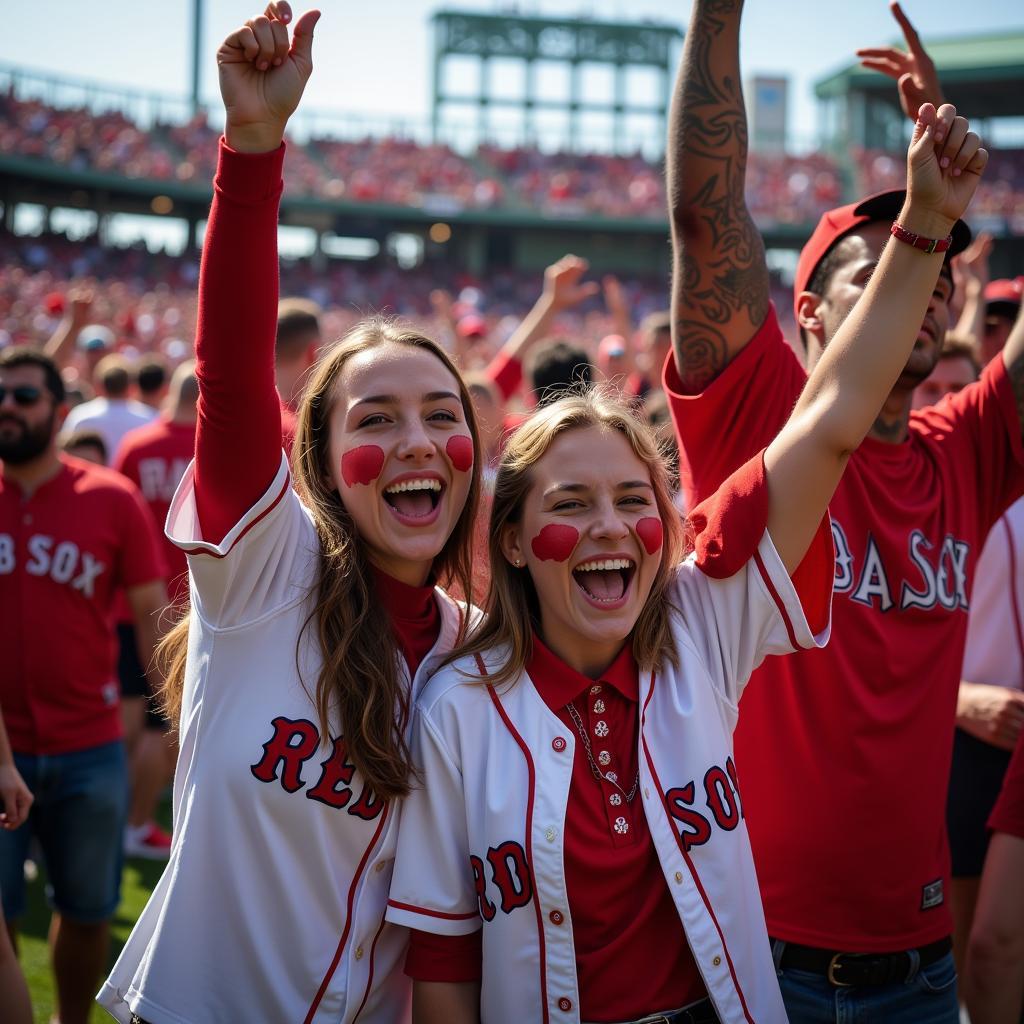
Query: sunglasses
x=23 y=394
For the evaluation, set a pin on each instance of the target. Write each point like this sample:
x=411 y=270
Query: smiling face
x=400 y=455
x=590 y=536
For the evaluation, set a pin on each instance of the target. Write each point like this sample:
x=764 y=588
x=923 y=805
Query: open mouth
x=605 y=581
x=414 y=499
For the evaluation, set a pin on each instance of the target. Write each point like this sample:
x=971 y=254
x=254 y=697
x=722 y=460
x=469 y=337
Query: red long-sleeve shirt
x=238 y=434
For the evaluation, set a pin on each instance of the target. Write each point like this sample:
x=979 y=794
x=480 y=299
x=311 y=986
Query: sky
x=374 y=58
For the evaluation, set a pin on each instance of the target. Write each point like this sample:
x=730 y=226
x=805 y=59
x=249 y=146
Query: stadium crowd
x=118 y=365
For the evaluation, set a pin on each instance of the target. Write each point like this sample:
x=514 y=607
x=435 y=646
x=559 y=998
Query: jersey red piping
x=778 y=600
x=266 y=512
x=686 y=857
x=369 y=980
x=496 y=700
x=1013 y=590
x=432 y=913
x=348 y=918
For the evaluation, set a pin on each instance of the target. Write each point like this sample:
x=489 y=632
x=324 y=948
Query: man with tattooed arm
x=843 y=753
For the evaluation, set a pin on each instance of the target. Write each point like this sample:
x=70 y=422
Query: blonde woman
x=314 y=620
x=579 y=851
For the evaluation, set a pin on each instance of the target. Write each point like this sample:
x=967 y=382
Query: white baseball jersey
x=995 y=629
x=271 y=907
x=498 y=765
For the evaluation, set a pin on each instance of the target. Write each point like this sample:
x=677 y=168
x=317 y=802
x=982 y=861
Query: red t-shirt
x=154 y=458
x=844 y=753
x=1008 y=813
x=64 y=552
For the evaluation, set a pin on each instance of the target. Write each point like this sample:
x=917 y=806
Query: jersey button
x=379 y=866
x=359 y=952
x=717 y=962
x=565 y=1004
x=556 y=917
x=558 y=744
x=679 y=876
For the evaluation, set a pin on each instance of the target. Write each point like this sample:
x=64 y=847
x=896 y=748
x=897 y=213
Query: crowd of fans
x=784 y=189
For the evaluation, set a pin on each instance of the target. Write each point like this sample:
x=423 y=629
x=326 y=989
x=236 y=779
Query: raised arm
x=719 y=276
x=914 y=71
x=863 y=361
x=1013 y=356
x=238 y=435
x=563 y=289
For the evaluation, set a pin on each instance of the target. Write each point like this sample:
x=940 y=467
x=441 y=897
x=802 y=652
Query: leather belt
x=855 y=970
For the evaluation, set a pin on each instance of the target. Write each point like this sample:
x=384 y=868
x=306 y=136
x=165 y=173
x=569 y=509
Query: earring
x=517 y=563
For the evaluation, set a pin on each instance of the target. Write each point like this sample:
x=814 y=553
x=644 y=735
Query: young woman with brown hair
x=314 y=620
x=579 y=851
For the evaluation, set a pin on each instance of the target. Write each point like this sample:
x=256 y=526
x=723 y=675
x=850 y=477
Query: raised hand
x=970 y=268
x=914 y=70
x=262 y=77
x=944 y=164
x=562 y=287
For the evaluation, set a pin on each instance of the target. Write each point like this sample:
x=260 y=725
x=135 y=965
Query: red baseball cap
x=842 y=221
x=472 y=326
x=1006 y=291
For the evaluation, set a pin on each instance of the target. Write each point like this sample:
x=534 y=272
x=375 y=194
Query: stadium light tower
x=197 y=38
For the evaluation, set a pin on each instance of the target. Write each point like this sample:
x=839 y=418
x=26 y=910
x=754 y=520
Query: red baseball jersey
x=64 y=552
x=154 y=458
x=1008 y=813
x=844 y=753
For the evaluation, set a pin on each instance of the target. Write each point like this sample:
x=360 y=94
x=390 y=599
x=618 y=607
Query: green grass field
x=137 y=882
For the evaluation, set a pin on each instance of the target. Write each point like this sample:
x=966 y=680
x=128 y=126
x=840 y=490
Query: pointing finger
x=280 y=11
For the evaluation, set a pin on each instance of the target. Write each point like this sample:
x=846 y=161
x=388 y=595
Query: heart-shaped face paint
x=651 y=533
x=555 y=543
x=362 y=465
x=460 y=451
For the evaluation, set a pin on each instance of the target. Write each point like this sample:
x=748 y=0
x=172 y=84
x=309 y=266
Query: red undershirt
x=632 y=957
x=239 y=431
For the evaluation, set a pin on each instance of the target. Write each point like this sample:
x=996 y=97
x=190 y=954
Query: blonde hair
x=512 y=607
x=359 y=684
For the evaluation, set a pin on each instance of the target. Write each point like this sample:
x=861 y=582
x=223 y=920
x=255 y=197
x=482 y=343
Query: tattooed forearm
x=720 y=277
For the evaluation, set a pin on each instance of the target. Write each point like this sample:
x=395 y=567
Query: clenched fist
x=262 y=76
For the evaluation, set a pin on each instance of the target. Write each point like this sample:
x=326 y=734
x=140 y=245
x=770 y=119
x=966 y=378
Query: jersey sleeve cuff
x=427 y=919
x=812 y=602
x=445 y=958
x=249 y=178
x=183 y=528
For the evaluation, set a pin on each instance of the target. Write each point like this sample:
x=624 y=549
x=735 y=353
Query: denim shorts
x=78 y=817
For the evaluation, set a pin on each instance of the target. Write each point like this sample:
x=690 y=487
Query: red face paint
x=362 y=465
x=555 y=543
x=460 y=451
x=650 y=532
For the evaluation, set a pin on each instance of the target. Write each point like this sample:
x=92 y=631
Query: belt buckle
x=831 y=972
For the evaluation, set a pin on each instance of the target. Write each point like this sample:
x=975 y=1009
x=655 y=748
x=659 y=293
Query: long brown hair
x=359 y=685
x=512 y=607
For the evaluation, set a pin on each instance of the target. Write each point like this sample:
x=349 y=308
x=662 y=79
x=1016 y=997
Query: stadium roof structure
x=983 y=75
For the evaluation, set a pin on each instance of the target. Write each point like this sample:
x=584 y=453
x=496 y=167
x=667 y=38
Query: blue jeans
x=79 y=813
x=928 y=996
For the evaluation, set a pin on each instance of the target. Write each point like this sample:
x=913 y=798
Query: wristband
x=928 y=245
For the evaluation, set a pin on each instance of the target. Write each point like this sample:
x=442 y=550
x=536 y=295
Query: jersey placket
x=611 y=725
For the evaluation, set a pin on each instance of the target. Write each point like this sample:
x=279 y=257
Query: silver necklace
x=578 y=722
